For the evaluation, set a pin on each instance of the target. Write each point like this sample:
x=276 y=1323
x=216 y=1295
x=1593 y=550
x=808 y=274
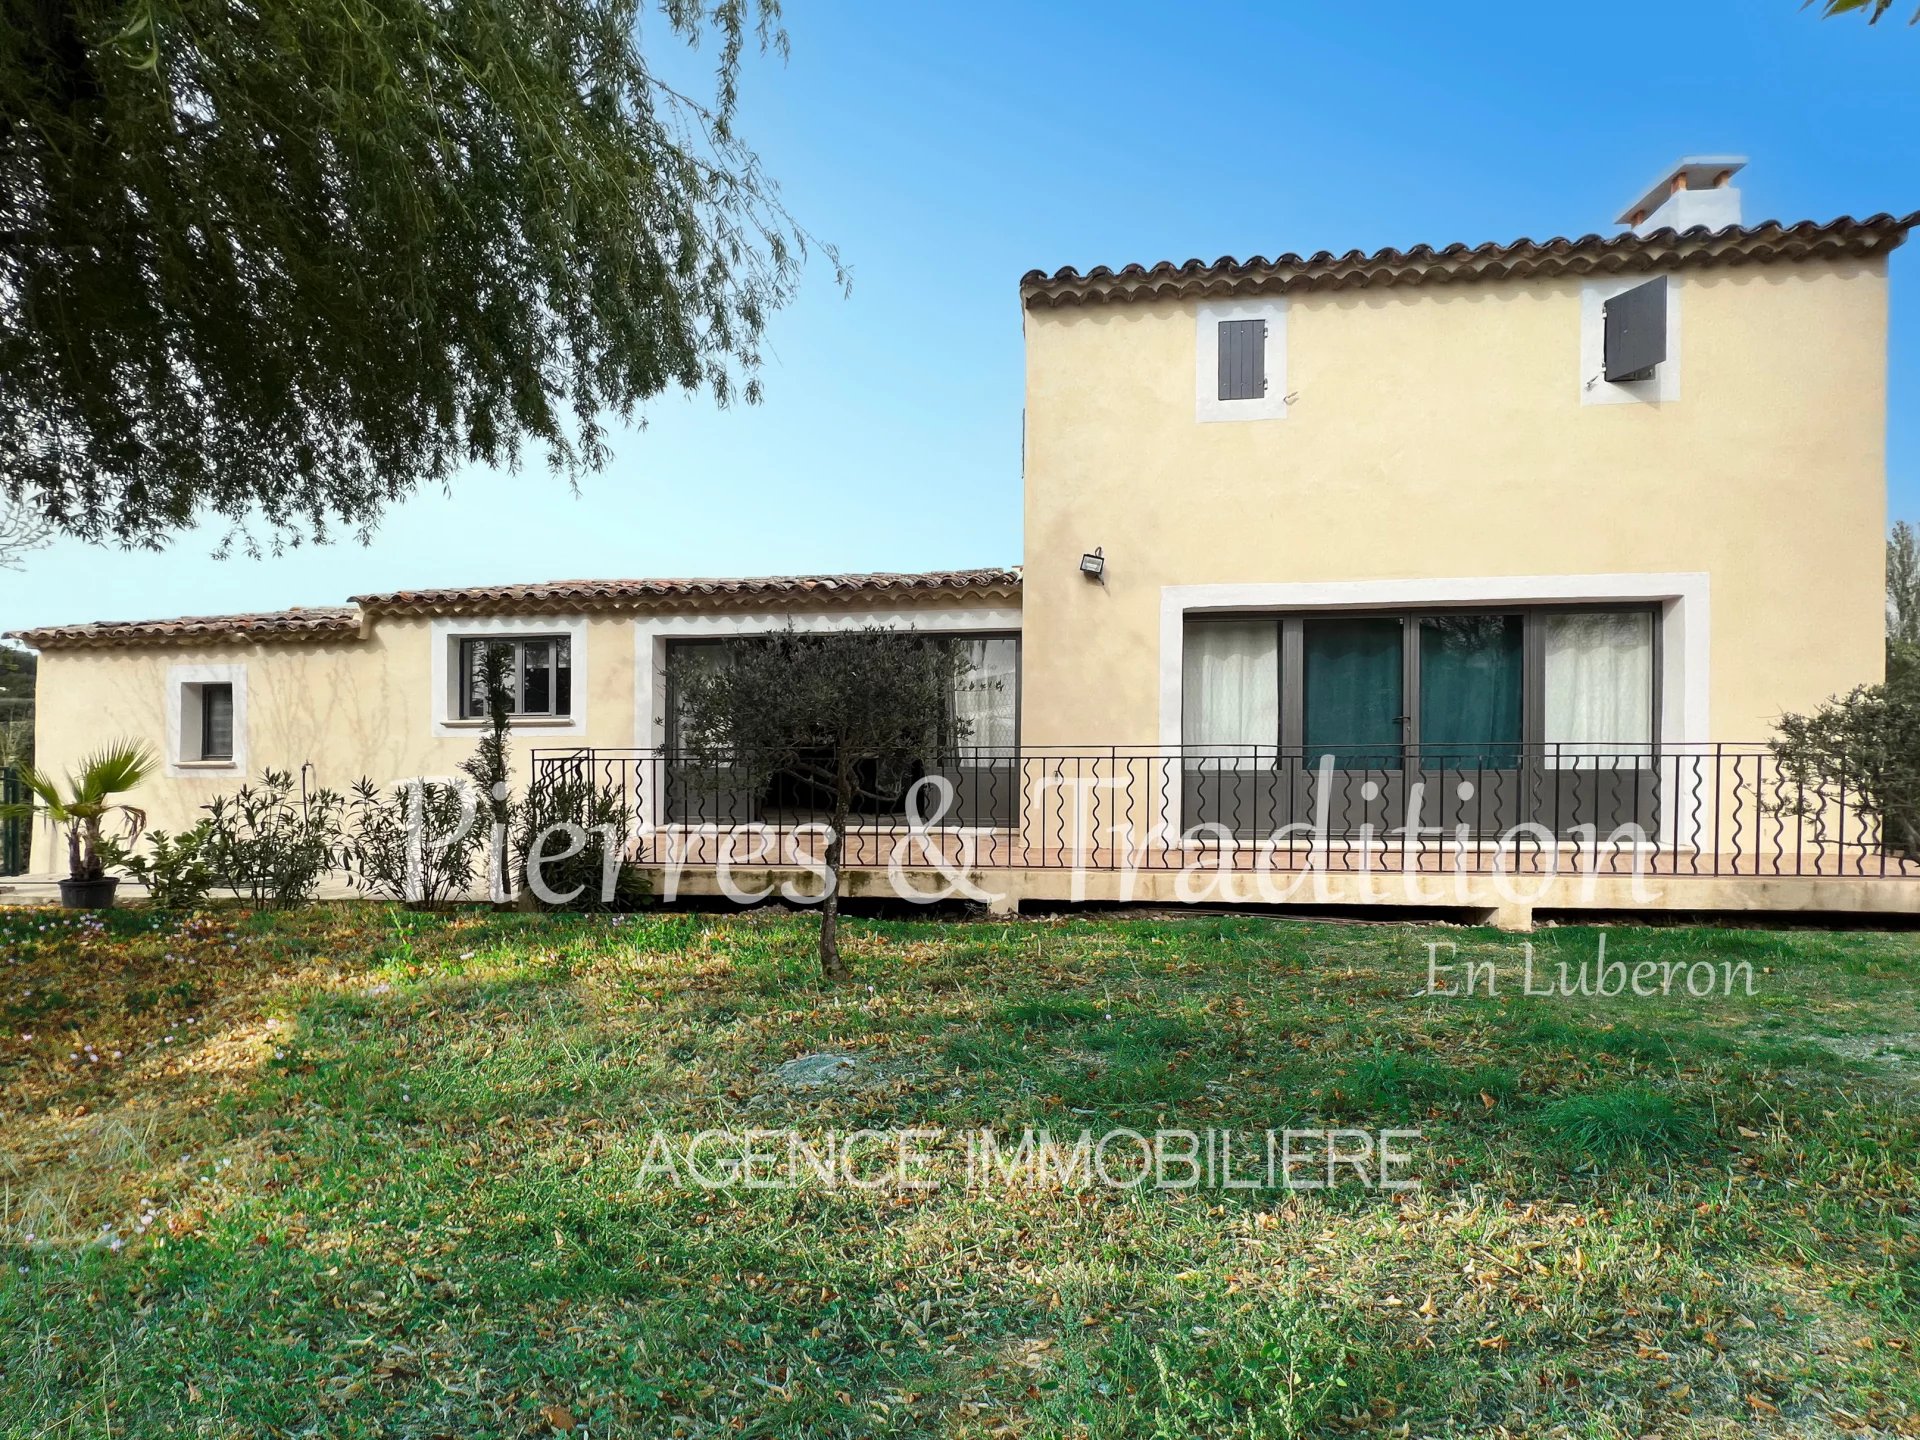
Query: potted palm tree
x=83 y=810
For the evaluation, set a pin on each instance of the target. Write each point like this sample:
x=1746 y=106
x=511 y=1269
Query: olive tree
x=1866 y=744
x=855 y=715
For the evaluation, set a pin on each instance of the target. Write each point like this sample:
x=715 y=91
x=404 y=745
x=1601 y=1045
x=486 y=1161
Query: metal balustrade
x=1673 y=810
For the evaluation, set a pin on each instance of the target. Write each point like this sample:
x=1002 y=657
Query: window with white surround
x=546 y=664
x=538 y=675
x=1240 y=360
x=1630 y=327
x=206 y=719
x=1458 y=687
x=985 y=699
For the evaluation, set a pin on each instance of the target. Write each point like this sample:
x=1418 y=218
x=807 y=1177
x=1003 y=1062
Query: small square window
x=1630 y=340
x=1240 y=355
x=1635 y=322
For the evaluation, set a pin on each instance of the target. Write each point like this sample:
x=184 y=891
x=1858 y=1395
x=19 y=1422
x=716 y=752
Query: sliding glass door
x=1471 y=727
x=1440 y=718
x=976 y=751
x=982 y=760
x=1598 y=702
x=1230 y=770
x=1353 y=693
x=1354 y=720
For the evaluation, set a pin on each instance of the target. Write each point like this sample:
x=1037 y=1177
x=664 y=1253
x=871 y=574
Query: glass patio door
x=1354 y=721
x=1471 y=724
x=1440 y=718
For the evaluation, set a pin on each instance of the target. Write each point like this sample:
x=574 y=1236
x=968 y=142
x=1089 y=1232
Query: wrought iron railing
x=1676 y=810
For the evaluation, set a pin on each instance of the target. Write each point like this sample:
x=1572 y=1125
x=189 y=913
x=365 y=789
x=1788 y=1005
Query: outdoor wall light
x=1093 y=565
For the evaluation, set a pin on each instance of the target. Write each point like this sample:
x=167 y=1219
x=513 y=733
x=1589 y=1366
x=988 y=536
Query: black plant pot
x=89 y=894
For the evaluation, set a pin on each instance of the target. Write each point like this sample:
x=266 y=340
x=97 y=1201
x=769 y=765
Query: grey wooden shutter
x=1636 y=328
x=1243 y=359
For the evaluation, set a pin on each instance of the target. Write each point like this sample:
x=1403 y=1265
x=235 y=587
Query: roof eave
x=798 y=593
x=1664 y=249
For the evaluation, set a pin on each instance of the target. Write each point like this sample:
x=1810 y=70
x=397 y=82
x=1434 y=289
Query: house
x=1379 y=571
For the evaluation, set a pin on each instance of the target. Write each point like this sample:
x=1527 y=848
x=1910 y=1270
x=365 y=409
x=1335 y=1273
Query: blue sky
x=948 y=149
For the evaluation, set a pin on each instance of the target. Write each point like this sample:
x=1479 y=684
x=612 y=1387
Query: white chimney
x=1694 y=192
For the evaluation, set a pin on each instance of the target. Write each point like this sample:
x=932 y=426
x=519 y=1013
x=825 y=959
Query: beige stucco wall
x=351 y=708
x=1438 y=432
x=371 y=707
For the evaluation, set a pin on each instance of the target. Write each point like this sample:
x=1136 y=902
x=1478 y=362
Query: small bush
x=176 y=869
x=577 y=808
x=1864 y=746
x=271 y=845
x=1633 y=1121
x=417 y=843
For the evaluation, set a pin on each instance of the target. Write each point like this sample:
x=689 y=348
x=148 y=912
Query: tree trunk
x=1908 y=829
x=831 y=965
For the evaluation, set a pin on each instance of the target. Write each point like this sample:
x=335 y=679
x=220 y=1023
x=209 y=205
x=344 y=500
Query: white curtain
x=987 y=698
x=1230 y=689
x=1599 y=689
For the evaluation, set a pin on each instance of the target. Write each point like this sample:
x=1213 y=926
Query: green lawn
x=353 y=1172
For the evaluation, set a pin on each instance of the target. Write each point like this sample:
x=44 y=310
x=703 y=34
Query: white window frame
x=184 y=687
x=445 y=635
x=1207 y=318
x=1660 y=388
x=554 y=645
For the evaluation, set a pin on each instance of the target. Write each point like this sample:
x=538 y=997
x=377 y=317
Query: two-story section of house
x=1549 y=509
x=1468 y=560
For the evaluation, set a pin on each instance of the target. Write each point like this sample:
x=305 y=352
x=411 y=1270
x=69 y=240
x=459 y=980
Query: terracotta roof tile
x=1590 y=254
x=343 y=622
x=565 y=594
x=319 y=622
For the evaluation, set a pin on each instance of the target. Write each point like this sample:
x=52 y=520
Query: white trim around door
x=1683 y=597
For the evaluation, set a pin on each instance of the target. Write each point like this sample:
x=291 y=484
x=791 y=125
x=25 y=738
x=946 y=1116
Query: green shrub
x=176 y=869
x=599 y=816
x=1865 y=746
x=417 y=843
x=272 y=846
